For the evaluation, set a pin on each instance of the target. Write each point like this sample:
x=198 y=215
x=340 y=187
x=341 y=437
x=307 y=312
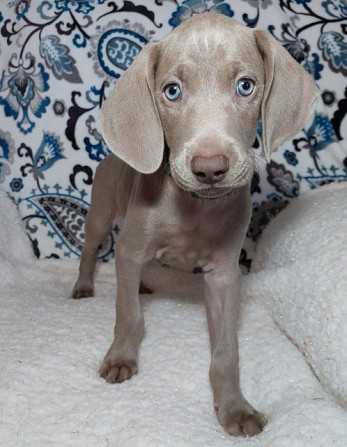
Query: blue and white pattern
x=59 y=60
x=117 y=50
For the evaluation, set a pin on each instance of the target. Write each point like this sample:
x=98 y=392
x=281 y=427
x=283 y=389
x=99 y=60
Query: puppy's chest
x=190 y=236
x=183 y=253
x=188 y=249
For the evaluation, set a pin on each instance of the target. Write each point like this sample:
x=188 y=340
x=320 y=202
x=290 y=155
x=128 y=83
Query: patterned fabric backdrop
x=59 y=59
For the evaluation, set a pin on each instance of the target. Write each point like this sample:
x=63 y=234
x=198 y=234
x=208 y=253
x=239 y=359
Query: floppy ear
x=289 y=94
x=129 y=120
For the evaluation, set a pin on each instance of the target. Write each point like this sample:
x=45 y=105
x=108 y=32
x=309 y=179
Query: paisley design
x=96 y=151
x=282 y=180
x=298 y=48
x=321 y=175
x=21 y=7
x=48 y=153
x=23 y=86
x=59 y=60
x=65 y=216
x=6 y=154
x=291 y=157
x=82 y=7
x=334 y=51
x=321 y=133
x=117 y=50
x=335 y=8
x=314 y=67
x=263 y=213
x=16 y=184
x=263 y=3
x=191 y=7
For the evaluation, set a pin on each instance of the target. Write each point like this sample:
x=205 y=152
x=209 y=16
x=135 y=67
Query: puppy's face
x=208 y=96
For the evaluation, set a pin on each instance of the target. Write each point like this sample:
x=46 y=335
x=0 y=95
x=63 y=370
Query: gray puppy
x=200 y=93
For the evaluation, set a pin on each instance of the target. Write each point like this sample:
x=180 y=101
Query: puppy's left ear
x=129 y=118
x=289 y=94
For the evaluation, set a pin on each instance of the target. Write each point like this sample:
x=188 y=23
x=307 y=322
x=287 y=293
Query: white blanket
x=51 y=346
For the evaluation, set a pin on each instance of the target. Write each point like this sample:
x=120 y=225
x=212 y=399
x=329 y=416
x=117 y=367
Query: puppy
x=181 y=122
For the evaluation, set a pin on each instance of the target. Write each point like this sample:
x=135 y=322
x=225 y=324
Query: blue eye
x=173 y=92
x=245 y=87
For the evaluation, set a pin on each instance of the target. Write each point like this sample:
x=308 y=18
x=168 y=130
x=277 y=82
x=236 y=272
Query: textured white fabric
x=302 y=264
x=51 y=347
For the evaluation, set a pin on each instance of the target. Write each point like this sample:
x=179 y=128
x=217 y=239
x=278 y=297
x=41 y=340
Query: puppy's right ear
x=129 y=119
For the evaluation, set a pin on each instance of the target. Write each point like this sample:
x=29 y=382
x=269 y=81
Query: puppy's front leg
x=235 y=414
x=121 y=360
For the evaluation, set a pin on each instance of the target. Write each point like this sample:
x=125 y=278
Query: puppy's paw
x=242 y=422
x=85 y=293
x=82 y=289
x=118 y=371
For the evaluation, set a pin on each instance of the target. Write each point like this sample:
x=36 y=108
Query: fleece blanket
x=292 y=345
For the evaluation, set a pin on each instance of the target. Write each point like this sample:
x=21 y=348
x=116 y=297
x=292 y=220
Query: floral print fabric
x=59 y=60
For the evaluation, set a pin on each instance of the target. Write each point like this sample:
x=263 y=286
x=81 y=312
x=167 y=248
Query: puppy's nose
x=210 y=170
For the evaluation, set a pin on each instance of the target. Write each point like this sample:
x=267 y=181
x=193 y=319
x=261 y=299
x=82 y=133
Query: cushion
x=51 y=348
x=299 y=272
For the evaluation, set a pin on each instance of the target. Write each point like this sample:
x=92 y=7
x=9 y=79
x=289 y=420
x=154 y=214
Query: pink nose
x=210 y=170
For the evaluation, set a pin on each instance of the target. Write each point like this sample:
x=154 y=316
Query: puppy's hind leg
x=98 y=226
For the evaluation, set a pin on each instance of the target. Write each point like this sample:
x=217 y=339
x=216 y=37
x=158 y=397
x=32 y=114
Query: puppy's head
x=204 y=89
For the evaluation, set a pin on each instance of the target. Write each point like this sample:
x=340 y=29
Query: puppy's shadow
x=160 y=282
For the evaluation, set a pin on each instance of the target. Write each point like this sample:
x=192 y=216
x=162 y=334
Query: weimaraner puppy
x=182 y=121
